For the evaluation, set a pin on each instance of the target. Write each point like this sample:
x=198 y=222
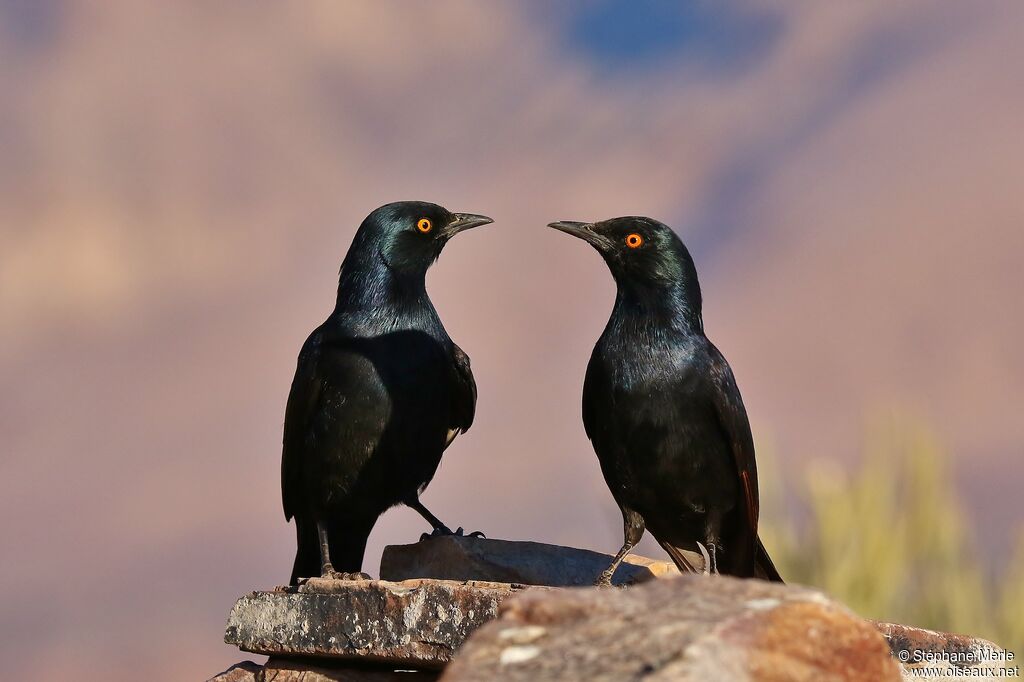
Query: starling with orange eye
x=379 y=393
x=662 y=410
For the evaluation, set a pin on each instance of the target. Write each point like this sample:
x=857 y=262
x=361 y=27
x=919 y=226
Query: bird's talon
x=445 y=531
x=475 y=534
x=437 y=533
x=707 y=559
x=331 y=574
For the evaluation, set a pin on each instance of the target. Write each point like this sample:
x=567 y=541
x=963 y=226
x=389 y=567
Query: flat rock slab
x=413 y=623
x=528 y=563
x=287 y=670
x=688 y=628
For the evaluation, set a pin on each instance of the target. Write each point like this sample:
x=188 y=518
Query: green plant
x=893 y=541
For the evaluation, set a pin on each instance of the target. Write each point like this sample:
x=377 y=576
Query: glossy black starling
x=379 y=392
x=662 y=409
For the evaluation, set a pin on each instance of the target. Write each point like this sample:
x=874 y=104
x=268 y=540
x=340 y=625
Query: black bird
x=379 y=392
x=662 y=409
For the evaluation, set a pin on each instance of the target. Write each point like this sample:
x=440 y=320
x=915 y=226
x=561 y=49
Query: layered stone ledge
x=440 y=594
x=416 y=623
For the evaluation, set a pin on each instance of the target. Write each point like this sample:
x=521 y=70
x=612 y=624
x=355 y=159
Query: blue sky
x=626 y=36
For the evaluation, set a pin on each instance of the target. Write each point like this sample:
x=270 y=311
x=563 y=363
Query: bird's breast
x=645 y=362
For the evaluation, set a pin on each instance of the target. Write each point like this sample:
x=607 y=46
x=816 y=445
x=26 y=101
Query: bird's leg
x=632 y=530
x=711 y=538
x=605 y=579
x=435 y=523
x=326 y=567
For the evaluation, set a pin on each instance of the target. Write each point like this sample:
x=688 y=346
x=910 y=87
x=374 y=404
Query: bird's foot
x=445 y=530
x=438 y=532
x=707 y=559
x=604 y=580
x=331 y=574
x=713 y=551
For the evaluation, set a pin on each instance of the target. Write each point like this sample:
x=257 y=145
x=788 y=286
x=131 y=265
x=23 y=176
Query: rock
x=245 y=671
x=917 y=649
x=413 y=623
x=290 y=670
x=528 y=563
x=688 y=628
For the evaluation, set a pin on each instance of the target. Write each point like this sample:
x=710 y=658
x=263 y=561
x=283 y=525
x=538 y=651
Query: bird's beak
x=464 y=221
x=584 y=231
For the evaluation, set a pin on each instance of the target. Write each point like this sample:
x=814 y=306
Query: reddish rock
x=917 y=648
x=245 y=671
x=528 y=563
x=689 y=628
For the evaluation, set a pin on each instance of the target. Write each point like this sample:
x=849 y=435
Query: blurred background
x=180 y=181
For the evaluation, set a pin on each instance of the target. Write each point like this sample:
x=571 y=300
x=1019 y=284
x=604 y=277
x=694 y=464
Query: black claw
x=338 y=575
x=445 y=531
x=437 y=533
x=475 y=534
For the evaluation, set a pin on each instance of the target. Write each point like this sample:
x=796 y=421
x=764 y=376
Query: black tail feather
x=307 y=552
x=678 y=558
x=763 y=566
x=346 y=540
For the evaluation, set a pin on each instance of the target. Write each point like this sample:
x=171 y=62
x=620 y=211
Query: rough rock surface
x=289 y=670
x=528 y=563
x=691 y=627
x=245 y=671
x=688 y=628
x=416 y=623
x=919 y=649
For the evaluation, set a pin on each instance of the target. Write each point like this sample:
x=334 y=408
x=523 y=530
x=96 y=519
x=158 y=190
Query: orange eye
x=424 y=225
x=634 y=241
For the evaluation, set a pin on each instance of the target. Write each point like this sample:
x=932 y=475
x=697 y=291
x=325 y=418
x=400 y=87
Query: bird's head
x=408 y=235
x=651 y=265
x=638 y=250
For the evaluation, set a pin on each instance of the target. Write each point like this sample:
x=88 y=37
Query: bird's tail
x=307 y=552
x=763 y=566
x=347 y=544
x=678 y=558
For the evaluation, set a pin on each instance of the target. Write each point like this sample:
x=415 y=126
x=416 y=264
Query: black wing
x=302 y=400
x=595 y=380
x=463 y=396
x=588 y=408
x=732 y=417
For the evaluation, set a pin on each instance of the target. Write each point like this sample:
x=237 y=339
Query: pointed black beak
x=580 y=230
x=584 y=231
x=464 y=221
